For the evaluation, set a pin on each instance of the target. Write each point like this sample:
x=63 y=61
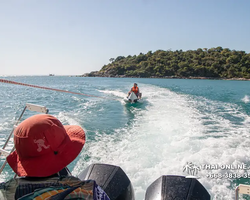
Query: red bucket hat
x=44 y=146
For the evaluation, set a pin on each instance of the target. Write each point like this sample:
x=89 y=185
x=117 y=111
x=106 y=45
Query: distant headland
x=213 y=63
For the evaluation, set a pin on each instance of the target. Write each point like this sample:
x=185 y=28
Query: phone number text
x=227 y=175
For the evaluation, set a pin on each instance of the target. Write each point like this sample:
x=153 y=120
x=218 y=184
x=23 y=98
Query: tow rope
x=47 y=88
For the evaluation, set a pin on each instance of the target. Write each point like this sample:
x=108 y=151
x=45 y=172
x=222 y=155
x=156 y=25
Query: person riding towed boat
x=136 y=90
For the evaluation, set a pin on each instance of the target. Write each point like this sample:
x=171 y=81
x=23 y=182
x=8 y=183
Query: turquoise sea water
x=205 y=122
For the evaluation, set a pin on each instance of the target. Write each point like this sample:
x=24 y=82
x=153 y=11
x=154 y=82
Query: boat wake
x=158 y=137
x=116 y=93
x=173 y=130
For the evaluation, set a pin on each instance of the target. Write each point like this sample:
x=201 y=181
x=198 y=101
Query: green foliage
x=215 y=62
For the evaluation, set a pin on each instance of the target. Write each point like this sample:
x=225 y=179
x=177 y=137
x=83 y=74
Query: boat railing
x=31 y=107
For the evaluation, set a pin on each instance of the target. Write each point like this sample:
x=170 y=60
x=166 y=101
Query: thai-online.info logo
x=220 y=171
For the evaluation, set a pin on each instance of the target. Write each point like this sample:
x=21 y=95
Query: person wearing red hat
x=43 y=148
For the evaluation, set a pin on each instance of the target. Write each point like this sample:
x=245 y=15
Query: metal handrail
x=31 y=107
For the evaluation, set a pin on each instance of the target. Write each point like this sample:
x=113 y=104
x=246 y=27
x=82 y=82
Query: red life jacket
x=135 y=89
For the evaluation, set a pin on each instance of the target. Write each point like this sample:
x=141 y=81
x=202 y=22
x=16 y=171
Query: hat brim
x=53 y=162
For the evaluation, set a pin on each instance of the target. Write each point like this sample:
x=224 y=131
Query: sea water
x=181 y=122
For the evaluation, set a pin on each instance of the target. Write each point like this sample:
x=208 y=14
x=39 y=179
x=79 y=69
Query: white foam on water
x=65 y=118
x=76 y=98
x=143 y=150
x=116 y=93
x=175 y=129
x=246 y=99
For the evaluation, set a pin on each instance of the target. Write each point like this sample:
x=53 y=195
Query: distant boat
x=51 y=74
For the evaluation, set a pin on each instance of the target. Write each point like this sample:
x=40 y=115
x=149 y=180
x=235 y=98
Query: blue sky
x=73 y=37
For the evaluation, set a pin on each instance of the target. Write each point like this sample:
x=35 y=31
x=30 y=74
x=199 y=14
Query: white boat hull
x=132 y=98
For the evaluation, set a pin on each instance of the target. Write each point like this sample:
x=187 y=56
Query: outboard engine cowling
x=171 y=187
x=112 y=179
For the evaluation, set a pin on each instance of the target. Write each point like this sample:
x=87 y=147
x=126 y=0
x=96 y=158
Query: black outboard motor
x=112 y=179
x=176 y=188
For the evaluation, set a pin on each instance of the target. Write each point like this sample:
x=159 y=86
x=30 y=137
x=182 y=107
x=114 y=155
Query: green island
x=213 y=63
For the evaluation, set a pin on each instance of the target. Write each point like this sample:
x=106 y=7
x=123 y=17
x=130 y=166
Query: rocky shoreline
x=98 y=74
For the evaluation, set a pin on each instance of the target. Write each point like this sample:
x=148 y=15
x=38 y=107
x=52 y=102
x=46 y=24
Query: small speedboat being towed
x=132 y=98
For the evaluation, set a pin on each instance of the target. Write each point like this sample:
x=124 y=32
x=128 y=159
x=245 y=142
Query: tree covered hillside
x=214 y=62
